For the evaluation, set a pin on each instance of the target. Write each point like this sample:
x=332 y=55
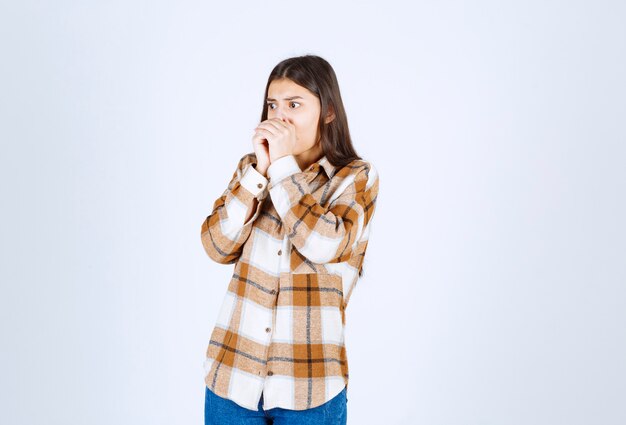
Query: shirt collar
x=326 y=166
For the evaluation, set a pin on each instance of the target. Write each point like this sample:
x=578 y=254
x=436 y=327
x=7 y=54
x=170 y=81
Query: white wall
x=494 y=286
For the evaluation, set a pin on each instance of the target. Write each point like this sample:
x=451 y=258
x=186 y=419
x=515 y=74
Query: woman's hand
x=261 y=149
x=280 y=135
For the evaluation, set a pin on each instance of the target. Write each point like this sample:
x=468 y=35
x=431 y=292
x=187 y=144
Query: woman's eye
x=269 y=105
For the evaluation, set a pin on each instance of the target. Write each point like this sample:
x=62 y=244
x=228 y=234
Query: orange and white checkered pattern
x=280 y=328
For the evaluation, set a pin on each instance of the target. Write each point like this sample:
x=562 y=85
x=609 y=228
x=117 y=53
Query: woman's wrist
x=262 y=169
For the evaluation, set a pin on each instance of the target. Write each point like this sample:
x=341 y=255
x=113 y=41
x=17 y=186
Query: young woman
x=295 y=220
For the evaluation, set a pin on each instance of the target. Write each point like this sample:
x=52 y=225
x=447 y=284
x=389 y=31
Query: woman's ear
x=330 y=115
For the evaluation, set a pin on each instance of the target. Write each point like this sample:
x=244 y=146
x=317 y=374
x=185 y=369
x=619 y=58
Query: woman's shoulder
x=362 y=167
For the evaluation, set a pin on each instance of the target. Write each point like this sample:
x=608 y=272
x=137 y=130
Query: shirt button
x=270 y=373
x=280 y=251
x=260 y=185
x=268 y=329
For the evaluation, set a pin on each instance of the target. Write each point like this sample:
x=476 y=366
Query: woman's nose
x=279 y=113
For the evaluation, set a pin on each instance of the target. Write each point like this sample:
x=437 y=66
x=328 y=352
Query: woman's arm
x=227 y=228
x=323 y=234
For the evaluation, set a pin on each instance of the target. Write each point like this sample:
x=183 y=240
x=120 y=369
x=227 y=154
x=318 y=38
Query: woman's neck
x=309 y=156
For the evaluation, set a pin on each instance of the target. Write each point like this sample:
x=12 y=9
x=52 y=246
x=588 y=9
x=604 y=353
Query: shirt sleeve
x=224 y=231
x=323 y=234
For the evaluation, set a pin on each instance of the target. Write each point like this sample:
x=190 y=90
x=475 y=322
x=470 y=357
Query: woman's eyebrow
x=286 y=98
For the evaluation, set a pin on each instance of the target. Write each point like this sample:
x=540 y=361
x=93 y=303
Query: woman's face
x=286 y=99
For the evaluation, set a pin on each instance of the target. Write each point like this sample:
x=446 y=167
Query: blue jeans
x=222 y=411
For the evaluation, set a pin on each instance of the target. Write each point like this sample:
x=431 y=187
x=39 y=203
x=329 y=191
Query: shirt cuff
x=283 y=167
x=254 y=181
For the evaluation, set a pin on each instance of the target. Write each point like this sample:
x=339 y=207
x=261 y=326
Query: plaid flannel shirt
x=280 y=328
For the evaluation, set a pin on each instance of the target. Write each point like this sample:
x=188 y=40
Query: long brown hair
x=315 y=74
